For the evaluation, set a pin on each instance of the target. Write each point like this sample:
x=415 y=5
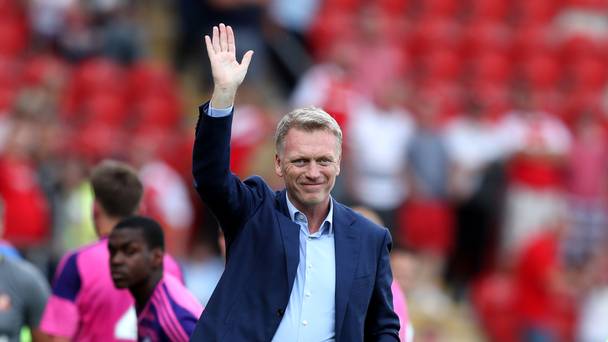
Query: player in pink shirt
x=166 y=310
x=85 y=305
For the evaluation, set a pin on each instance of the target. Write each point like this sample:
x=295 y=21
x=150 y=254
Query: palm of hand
x=227 y=72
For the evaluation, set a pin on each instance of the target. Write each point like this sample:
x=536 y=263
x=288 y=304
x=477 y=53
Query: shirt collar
x=329 y=218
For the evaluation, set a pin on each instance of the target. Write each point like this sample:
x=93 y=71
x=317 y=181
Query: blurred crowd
x=476 y=130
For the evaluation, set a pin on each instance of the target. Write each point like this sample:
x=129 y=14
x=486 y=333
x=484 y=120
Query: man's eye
x=299 y=162
x=324 y=162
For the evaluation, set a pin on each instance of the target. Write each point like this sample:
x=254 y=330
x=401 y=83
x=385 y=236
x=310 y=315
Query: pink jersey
x=85 y=305
x=400 y=308
x=170 y=314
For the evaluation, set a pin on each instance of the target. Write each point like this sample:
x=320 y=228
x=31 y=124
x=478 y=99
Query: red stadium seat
x=7 y=100
x=440 y=8
x=427 y=226
x=106 y=109
x=13 y=37
x=10 y=72
x=484 y=35
x=589 y=74
x=100 y=75
x=493 y=298
x=542 y=71
x=531 y=40
x=579 y=101
x=537 y=11
x=150 y=79
x=492 y=67
x=433 y=33
x=158 y=112
x=43 y=69
x=581 y=46
x=96 y=141
x=442 y=65
x=93 y=77
x=494 y=10
x=494 y=96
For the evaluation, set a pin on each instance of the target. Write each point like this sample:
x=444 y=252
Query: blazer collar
x=347 y=248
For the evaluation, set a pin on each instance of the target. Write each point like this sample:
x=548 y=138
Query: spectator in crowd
x=475 y=148
x=26 y=208
x=380 y=130
x=84 y=303
x=166 y=197
x=538 y=143
x=166 y=310
x=594 y=306
x=587 y=189
x=298 y=284
x=426 y=219
x=543 y=295
x=6 y=249
x=23 y=293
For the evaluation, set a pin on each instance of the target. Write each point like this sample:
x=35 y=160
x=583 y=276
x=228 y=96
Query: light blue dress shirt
x=310 y=315
x=311 y=312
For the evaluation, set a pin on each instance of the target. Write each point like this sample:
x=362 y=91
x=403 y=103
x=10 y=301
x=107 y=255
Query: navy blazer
x=262 y=254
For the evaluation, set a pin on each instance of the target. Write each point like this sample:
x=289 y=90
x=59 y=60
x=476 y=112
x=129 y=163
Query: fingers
x=231 y=43
x=210 y=50
x=246 y=59
x=216 y=39
x=223 y=38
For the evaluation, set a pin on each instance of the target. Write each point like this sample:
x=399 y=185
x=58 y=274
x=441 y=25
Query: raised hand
x=227 y=72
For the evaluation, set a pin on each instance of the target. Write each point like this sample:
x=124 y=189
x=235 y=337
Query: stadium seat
x=483 y=35
x=542 y=71
x=106 y=109
x=150 y=79
x=13 y=37
x=494 y=10
x=426 y=226
x=493 y=298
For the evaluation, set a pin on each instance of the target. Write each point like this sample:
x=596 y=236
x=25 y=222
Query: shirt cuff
x=219 y=112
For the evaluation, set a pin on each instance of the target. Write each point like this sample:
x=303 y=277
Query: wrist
x=223 y=97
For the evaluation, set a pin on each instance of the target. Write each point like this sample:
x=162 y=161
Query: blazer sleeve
x=381 y=322
x=230 y=200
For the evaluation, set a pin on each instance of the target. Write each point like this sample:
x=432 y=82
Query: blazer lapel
x=346 y=242
x=290 y=233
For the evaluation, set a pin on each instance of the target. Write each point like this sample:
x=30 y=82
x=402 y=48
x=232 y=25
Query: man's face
x=308 y=163
x=131 y=261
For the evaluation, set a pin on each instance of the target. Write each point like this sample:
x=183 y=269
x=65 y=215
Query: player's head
x=307 y=119
x=118 y=191
x=136 y=247
x=308 y=145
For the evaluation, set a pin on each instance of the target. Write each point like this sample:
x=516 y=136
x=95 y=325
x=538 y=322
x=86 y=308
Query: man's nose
x=314 y=170
x=116 y=259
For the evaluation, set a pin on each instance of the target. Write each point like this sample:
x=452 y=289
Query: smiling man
x=166 y=310
x=299 y=265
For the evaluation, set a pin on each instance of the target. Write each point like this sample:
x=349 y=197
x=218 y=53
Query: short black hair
x=150 y=229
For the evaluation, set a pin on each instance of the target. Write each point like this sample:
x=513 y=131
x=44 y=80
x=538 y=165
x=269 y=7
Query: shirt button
x=304 y=322
x=307 y=294
x=310 y=267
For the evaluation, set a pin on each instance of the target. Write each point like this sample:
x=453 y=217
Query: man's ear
x=158 y=255
x=277 y=165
